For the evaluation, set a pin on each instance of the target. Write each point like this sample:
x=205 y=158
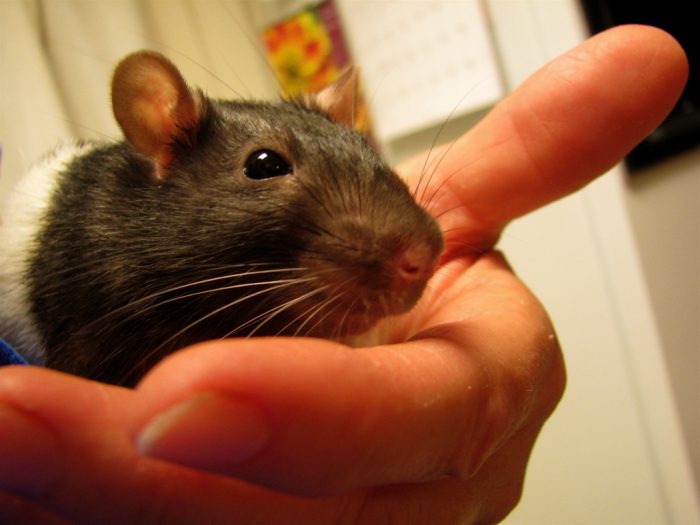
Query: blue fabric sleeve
x=8 y=355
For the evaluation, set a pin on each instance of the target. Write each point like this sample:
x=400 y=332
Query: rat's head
x=287 y=193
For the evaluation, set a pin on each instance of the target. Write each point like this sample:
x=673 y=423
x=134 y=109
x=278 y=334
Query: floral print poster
x=308 y=51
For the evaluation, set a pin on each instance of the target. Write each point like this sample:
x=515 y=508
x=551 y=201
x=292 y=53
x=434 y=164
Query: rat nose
x=414 y=263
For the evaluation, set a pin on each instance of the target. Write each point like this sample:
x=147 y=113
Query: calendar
x=421 y=62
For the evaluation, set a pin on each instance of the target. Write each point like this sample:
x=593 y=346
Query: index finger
x=568 y=123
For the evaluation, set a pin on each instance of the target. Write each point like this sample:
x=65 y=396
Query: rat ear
x=340 y=99
x=154 y=106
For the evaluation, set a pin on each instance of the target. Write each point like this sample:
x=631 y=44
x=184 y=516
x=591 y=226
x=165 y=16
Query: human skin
x=437 y=429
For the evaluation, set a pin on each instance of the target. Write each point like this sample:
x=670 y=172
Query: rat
x=211 y=219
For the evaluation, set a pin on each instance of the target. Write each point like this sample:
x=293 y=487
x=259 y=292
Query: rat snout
x=414 y=263
x=365 y=274
x=409 y=269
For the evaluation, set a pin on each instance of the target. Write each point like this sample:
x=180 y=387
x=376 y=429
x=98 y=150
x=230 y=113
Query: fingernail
x=209 y=431
x=29 y=453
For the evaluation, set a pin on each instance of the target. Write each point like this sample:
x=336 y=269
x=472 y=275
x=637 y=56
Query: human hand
x=434 y=429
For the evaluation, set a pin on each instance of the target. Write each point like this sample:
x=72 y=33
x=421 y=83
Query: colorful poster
x=307 y=52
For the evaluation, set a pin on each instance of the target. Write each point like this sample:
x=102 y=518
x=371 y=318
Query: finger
x=17 y=511
x=68 y=435
x=571 y=121
x=59 y=437
x=316 y=418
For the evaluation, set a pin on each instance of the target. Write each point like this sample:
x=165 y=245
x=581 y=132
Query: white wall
x=664 y=205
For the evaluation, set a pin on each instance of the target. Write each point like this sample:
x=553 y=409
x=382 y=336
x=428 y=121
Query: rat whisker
x=164 y=344
x=339 y=330
x=58 y=277
x=313 y=310
x=462 y=167
x=434 y=142
x=208 y=291
x=433 y=172
x=324 y=305
x=273 y=312
x=307 y=315
x=209 y=280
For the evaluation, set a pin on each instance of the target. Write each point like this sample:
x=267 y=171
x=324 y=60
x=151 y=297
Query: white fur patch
x=20 y=220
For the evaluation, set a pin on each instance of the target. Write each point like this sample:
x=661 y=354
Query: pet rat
x=212 y=219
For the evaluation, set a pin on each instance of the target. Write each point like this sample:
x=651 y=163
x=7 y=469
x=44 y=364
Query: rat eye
x=265 y=164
